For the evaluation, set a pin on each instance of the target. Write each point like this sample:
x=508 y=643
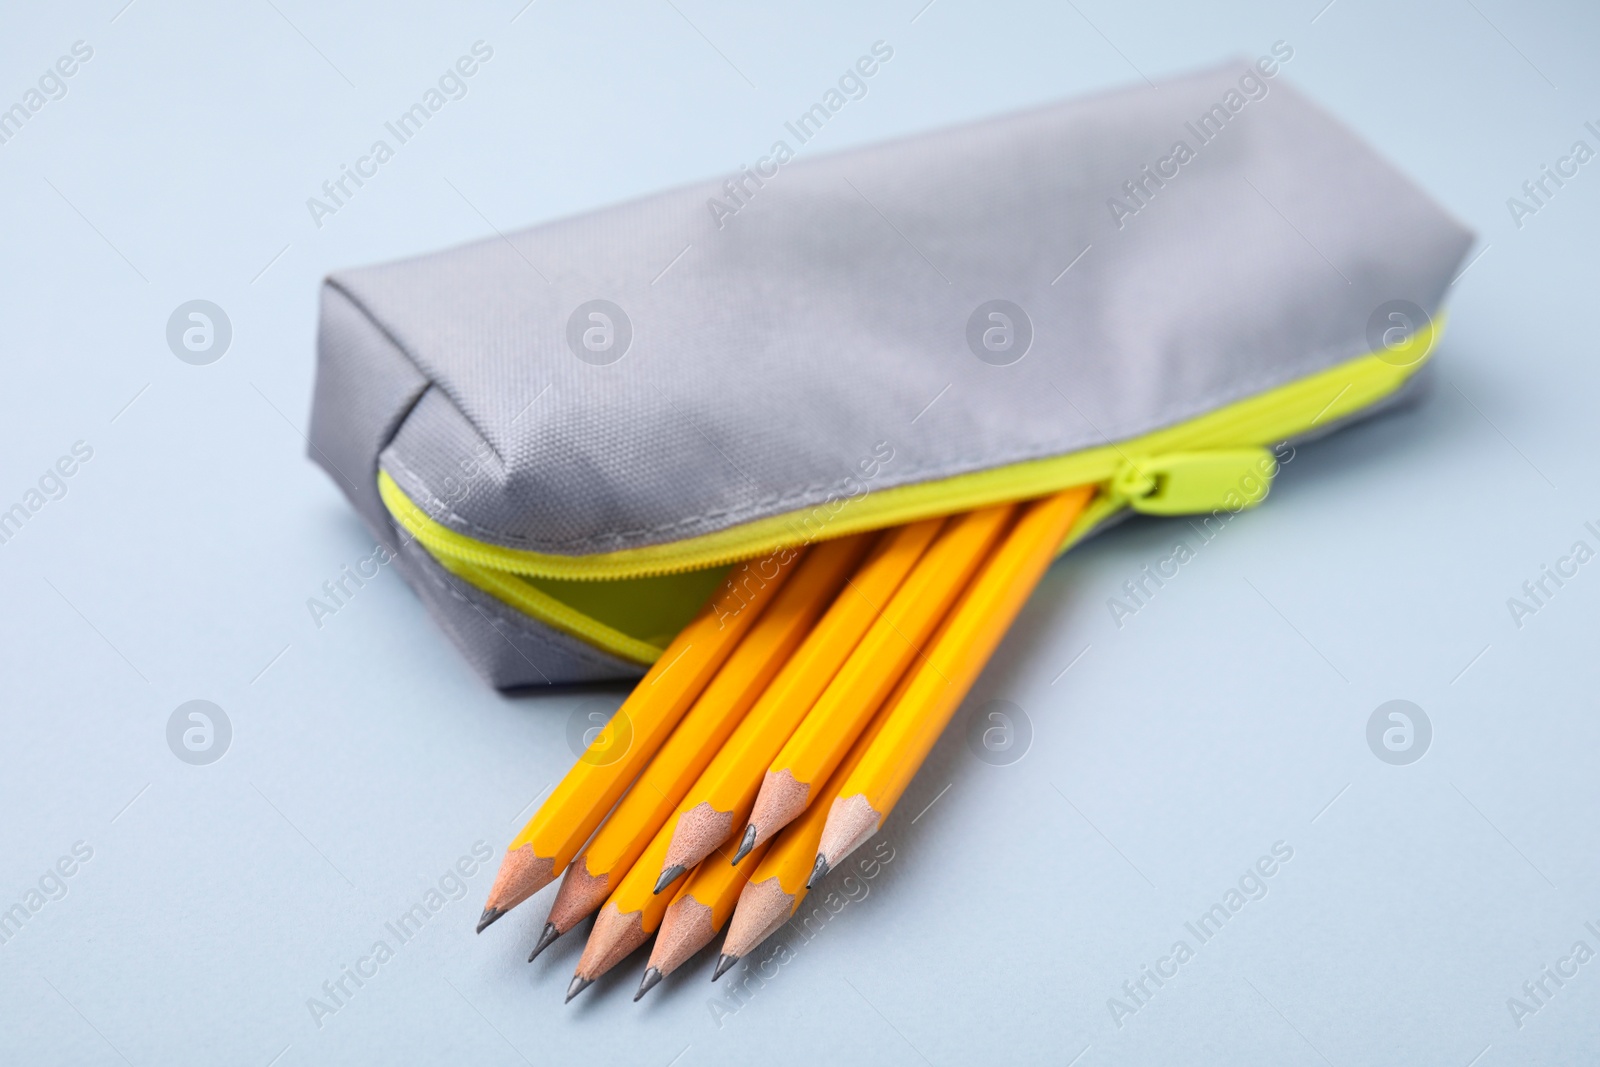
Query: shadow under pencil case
x=570 y=432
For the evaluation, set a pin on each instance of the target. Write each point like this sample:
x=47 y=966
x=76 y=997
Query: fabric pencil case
x=566 y=435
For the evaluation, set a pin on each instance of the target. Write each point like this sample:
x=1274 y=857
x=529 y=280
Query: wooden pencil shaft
x=703 y=730
x=578 y=803
x=635 y=889
x=718 y=803
x=977 y=625
x=893 y=642
x=777 y=886
x=822 y=656
x=648 y=803
x=794 y=850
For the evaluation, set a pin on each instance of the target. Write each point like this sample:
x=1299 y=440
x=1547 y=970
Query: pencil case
x=566 y=435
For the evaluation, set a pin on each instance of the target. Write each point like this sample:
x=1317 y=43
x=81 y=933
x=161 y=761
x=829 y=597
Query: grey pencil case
x=567 y=434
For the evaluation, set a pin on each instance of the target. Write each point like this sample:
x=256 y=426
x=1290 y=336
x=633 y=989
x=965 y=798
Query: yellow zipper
x=1215 y=461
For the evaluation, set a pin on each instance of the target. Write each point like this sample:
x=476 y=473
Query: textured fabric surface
x=777 y=340
x=365 y=385
x=768 y=355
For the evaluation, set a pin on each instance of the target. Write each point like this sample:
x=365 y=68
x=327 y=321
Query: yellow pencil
x=627 y=919
x=895 y=640
x=625 y=833
x=778 y=883
x=720 y=800
x=917 y=719
x=698 y=911
x=569 y=815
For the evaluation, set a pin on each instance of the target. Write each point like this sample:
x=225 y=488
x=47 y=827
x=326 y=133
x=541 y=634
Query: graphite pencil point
x=668 y=876
x=647 y=983
x=819 y=871
x=546 y=939
x=578 y=985
x=747 y=843
x=724 y=965
x=522 y=874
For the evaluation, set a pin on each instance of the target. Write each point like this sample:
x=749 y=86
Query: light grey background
x=1167 y=755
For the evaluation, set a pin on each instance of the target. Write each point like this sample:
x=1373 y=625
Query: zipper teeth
x=446 y=544
x=1302 y=405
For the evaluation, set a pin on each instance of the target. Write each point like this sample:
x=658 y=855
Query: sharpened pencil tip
x=819 y=871
x=725 y=963
x=647 y=983
x=489 y=916
x=746 y=843
x=579 y=984
x=546 y=939
x=668 y=876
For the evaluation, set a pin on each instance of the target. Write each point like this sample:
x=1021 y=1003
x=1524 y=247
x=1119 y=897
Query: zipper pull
x=1186 y=483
